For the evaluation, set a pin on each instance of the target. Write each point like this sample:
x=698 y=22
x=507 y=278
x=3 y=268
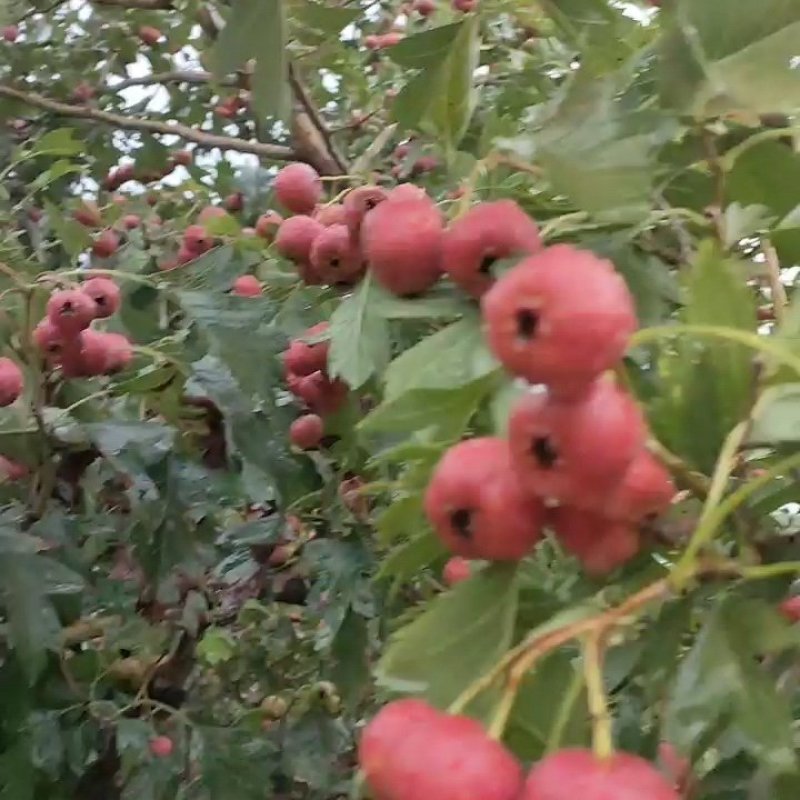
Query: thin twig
x=777 y=289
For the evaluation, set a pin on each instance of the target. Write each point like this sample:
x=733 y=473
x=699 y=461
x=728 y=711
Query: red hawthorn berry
x=11 y=33
x=12 y=470
x=71 y=311
x=487 y=233
x=306 y=432
x=408 y=191
x=48 y=339
x=120 y=351
x=161 y=746
x=465 y=5
x=575 y=451
x=106 y=244
x=209 y=213
x=197 y=240
x=790 y=608
x=567 y=774
x=185 y=256
x=477 y=506
x=358 y=204
x=676 y=768
x=104 y=293
x=149 y=35
x=330 y=215
x=646 y=490
x=404 y=264
x=298 y=188
x=350 y=490
x=93 y=356
x=83 y=92
x=247 y=286
x=321 y=394
x=600 y=544
x=424 y=164
x=390 y=39
x=295 y=237
x=411 y=751
x=131 y=221
x=11 y=381
x=335 y=258
x=88 y=214
x=234 y=202
x=267 y=225
x=125 y=173
x=303 y=358
x=561 y=317
x=372 y=42
x=424 y=7
x=456 y=570
x=183 y=157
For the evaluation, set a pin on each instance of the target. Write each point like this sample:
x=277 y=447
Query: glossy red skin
x=234 y=202
x=12 y=470
x=358 y=204
x=591 y=442
x=578 y=775
x=408 y=191
x=247 y=286
x=456 y=570
x=303 y=358
x=71 y=311
x=267 y=225
x=410 y=751
x=106 y=244
x=790 y=608
x=402 y=242
x=330 y=215
x=296 y=236
x=298 y=188
x=646 y=489
x=321 y=394
x=104 y=293
x=495 y=230
x=48 y=338
x=306 y=432
x=196 y=240
x=584 y=311
x=476 y=476
x=600 y=544
x=11 y=381
x=336 y=258
x=161 y=746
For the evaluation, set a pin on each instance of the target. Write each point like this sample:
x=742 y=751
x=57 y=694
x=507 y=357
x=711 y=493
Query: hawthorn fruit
x=456 y=570
x=104 y=293
x=106 y=244
x=306 y=432
x=335 y=258
x=131 y=221
x=790 y=608
x=49 y=339
x=149 y=35
x=71 y=311
x=247 y=286
x=234 y=202
x=465 y=5
x=296 y=236
x=196 y=240
x=358 y=204
x=330 y=215
x=161 y=746
x=88 y=214
x=11 y=381
x=646 y=490
x=424 y=7
x=11 y=33
x=298 y=188
x=267 y=225
x=303 y=358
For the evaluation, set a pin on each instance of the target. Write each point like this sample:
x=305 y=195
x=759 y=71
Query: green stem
x=602 y=738
x=565 y=711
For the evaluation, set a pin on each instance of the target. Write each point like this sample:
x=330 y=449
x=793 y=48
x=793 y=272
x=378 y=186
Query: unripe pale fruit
x=267 y=225
x=571 y=774
x=106 y=244
x=306 y=432
x=790 y=608
x=131 y=221
x=456 y=570
x=336 y=258
x=149 y=35
x=48 y=339
x=296 y=236
x=247 y=286
x=120 y=351
x=600 y=544
x=561 y=317
x=71 y=311
x=575 y=452
x=298 y=188
x=161 y=746
x=303 y=358
x=476 y=504
x=104 y=293
x=358 y=204
x=11 y=381
x=487 y=233
x=411 y=751
x=646 y=489
x=402 y=242
x=12 y=470
x=330 y=215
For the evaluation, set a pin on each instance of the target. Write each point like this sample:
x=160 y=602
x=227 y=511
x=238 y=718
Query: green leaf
x=214 y=271
x=328 y=20
x=73 y=236
x=778 y=417
x=350 y=670
x=459 y=637
x=217 y=646
x=60 y=142
x=406 y=560
x=360 y=344
x=450 y=358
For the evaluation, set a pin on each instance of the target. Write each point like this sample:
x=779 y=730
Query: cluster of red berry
x=411 y=751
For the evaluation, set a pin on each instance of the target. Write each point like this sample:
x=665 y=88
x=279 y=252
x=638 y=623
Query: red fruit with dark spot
x=105 y=294
x=306 y=432
x=120 y=351
x=402 y=242
x=560 y=317
x=149 y=35
x=303 y=358
x=234 y=202
x=48 y=339
x=197 y=240
x=161 y=746
x=12 y=470
x=600 y=544
x=295 y=237
x=298 y=188
x=247 y=286
x=487 y=233
x=456 y=570
x=358 y=204
x=336 y=258
x=71 y=311
x=131 y=221
x=790 y=608
x=411 y=751
x=477 y=506
x=330 y=215
x=183 y=157
x=267 y=225
x=11 y=381
x=578 y=451
x=88 y=214
x=106 y=244
x=646 y=490
x=569 y=774
x=11 y=33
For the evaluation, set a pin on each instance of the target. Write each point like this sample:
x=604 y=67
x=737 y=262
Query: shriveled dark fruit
x=410 y=751
x=11 y=381
x=306 y=432
x=575 y=773
x=12 y=470
x=646 y=489
x=302 y=358
x=298 y=188
x=104 y=293
x=335 y=257
x=71 y=311
x=247 y=286
x=488 y=233
x=295 y=237
x=578 y=451
x=561 y=317
x=600 y=544
x=402 y=243
x=477 y=506
x=267 y=225
x=358 y=204
x=332 y=214
x=790 y=608
x=456 y=570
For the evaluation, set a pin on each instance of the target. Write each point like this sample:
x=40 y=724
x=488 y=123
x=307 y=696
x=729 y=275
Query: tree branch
x=205 y=140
